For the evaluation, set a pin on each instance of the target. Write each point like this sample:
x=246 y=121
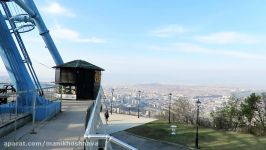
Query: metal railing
x=92 y=136
x=108 y=139
x=13 y=107
x=10 y=109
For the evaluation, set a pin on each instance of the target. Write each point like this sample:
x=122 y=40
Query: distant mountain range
x=187 y=90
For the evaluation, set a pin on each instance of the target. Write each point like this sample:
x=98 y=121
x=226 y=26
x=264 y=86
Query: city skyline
x=170 y=42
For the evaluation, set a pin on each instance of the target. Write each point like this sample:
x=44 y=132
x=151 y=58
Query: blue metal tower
x=19 y=67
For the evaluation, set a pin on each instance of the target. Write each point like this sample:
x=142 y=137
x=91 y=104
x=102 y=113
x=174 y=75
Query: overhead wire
x=46 y=66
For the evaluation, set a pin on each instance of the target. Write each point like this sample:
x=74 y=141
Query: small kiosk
x=78 y=80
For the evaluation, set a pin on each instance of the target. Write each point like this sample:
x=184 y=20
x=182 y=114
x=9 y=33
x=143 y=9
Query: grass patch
x=208 y=138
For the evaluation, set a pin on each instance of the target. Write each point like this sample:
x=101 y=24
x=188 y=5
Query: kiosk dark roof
x=79 y=64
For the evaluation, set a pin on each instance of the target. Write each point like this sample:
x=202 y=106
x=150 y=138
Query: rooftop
x=79 y=64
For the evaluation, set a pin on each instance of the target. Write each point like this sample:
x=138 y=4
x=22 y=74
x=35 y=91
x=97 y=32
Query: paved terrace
x=65 y=126
x=69 y=126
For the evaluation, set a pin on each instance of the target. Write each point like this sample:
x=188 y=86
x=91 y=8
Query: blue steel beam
x=17 y=70
x=14 y=64
x=30 y=7
x=22 y=47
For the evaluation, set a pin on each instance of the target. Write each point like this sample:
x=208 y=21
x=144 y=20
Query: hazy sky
x=163 y=41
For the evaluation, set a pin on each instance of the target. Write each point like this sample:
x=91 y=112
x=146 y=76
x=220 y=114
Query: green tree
x=249 y=108
x=227 y=116
x=231 y=111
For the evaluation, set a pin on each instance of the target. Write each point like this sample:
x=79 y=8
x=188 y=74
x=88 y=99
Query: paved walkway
x=120 y=122
x=67 y=126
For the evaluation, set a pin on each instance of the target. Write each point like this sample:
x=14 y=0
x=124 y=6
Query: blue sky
x=164 y=41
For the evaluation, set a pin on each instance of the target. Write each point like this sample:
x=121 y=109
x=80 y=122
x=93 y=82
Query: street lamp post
x=112 y=100
x=197 y=123
x=169 y=115
x=129 y=110
x=139 y=102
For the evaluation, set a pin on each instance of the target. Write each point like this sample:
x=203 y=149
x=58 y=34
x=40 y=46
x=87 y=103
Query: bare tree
x=183 y=110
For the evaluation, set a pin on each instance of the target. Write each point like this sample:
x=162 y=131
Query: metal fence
x=13 y=111
x=51 y=93
x=94 y=138
x=8 y=109
x=146 y=113
x=129 y=109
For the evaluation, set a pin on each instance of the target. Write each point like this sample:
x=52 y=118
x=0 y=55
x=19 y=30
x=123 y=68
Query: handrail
x=27 y=91
x=110 y=139
x=91 y=124
x=94 y=120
